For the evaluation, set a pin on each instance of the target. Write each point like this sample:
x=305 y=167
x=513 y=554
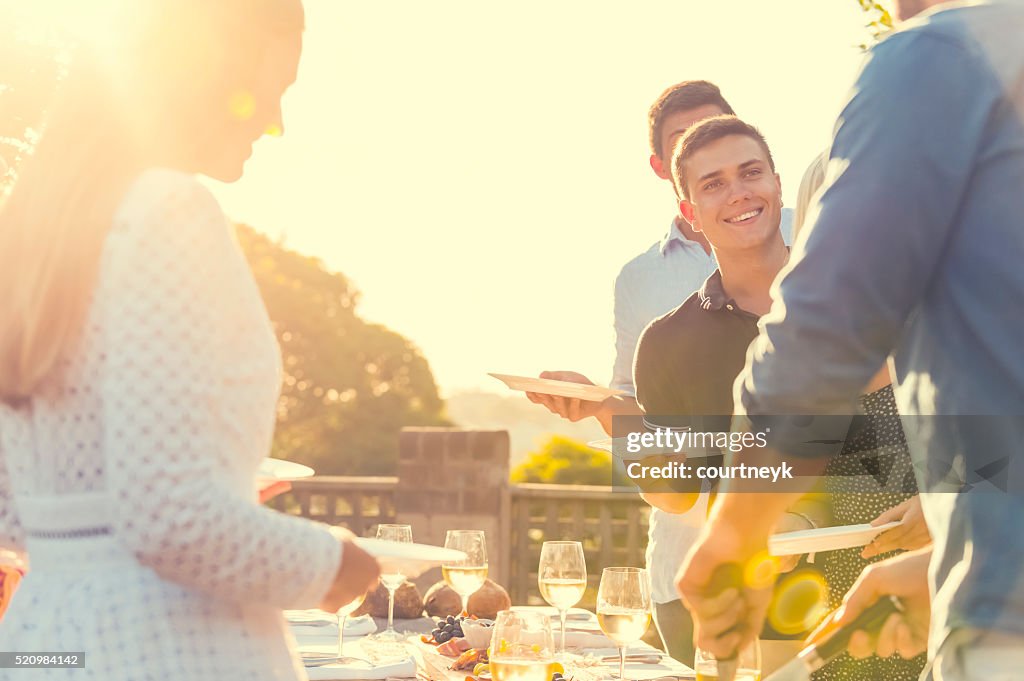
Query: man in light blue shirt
x=916 y=249
x=648 y=286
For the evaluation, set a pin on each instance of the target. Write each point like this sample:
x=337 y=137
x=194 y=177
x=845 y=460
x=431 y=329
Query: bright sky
x=479 y=169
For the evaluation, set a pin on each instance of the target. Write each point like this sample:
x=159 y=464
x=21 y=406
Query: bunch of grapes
x=448 y=628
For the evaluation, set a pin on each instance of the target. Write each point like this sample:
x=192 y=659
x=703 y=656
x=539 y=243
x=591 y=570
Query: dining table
x=590 y=655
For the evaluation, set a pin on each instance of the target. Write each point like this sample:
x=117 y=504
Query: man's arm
x=574 y=409
x=903 y=154
x=900 y=163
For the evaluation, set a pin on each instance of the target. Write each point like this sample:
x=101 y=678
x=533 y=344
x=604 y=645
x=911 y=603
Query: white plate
x=825 y=539
x=273 y=470
x=619 y=446
x=408 y=558
x=549 y=386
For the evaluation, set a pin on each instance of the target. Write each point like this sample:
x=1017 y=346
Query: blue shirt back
x=916 y=248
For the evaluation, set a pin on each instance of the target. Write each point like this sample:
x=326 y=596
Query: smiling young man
x=686 y=361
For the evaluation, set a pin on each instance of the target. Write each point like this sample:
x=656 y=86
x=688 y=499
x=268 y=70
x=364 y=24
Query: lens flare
x=800 y=602
x=761 y=570
x=273 y=130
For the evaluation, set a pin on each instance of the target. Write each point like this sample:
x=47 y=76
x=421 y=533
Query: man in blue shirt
x=916 y=249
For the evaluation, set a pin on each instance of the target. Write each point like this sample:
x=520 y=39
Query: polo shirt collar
x=712 y=294
x=674 y=234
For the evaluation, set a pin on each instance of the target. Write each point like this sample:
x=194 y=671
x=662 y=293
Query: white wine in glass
x=624 y=607
x=466 y=576
x=562 y=577
x=748 y=664
x=392 y=580
x=343 y=613
x=521 y=647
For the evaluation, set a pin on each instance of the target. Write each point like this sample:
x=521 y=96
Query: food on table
x=469 y=659
x=441 y=601
x=447 y=628
x=478 y=632
x=408 y=602
x=453 y=647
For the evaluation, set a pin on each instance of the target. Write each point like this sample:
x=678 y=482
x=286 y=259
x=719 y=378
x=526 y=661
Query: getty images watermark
x=650 y=451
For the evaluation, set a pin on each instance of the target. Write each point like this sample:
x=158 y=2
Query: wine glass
x=624 y=607
x=343 y=613
x=521 y=647
x=466 y=576
x=562 y=577
x=393 y=580
x=748 y=664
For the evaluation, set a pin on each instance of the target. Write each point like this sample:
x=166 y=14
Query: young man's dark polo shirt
x=686 y=361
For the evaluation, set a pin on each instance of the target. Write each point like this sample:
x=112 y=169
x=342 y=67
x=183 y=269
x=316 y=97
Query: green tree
x=349 y=385
x=564 y=461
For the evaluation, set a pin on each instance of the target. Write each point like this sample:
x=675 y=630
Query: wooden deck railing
x=358 y=503
x=612 y=526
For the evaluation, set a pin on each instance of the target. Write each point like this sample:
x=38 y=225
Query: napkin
x=403 y=669
x=364 y=668
x=306 y=623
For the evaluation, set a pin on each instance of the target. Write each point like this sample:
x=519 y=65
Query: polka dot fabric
x=164 y=412
x=872 y=474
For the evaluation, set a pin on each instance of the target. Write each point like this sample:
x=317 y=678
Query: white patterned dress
x=130 y=485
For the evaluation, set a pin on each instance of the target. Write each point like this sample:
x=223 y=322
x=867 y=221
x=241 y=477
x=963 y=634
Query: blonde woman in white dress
x=138 y=368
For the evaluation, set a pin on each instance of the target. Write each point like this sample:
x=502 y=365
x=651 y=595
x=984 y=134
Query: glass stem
x=465 y=606
x=561 y=618
x=391 y=610
x=622 y=663
x=341 y=634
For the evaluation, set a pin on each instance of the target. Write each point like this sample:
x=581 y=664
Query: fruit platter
x=457 y=644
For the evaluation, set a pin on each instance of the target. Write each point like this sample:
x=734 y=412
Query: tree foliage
x=349 y=385
x=880 y=20
x=564 y=461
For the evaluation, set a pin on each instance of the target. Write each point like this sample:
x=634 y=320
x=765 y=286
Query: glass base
x=387 y=636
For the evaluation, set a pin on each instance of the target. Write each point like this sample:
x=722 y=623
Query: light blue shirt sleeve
x=627 y=334
x=900 y=164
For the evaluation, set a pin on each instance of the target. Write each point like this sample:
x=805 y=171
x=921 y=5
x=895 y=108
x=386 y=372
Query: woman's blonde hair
x=810 y=183
x=118 y=97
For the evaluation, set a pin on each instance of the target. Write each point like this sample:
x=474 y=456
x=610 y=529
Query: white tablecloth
x=583 y=635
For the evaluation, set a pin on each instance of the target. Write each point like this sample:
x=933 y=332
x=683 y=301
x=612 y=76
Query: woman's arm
x=168 y=292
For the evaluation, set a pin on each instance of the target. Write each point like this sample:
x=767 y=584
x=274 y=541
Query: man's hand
x=905 y=634
x=567 y=407
x=668 y=494
x=911 y=535
x=726 y=621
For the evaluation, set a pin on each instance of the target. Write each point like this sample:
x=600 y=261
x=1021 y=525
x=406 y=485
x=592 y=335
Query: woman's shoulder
x=166 y=195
